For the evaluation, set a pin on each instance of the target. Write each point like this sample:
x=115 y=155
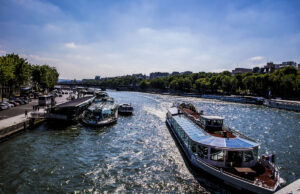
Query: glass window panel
x=248 y=156
x=216 y=154
x=203 y=151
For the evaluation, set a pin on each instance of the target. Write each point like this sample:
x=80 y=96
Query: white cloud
x=256 y=58
x=36 y=59
x=2 y=52
x=71 y=45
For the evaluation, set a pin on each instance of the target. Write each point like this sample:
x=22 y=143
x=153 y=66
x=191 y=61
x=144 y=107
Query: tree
x=144 y=84
x=158 y=83
x=48 y=77
x=249 y=82
x=226 y=83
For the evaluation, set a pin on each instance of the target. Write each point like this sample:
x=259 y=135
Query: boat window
x=193 y=147
x=208 y=122
x=185 y=139
x=255 y=152
x=215 y=123
x=202 y=151
x=217 y=155
x=249 y=156
x=235 y=156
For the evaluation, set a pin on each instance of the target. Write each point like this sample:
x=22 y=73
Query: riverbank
x=17 y=124
x=14 y=121
x=272 y=103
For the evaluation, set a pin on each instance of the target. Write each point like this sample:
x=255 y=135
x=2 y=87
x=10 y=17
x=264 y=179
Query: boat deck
x=213 y=133
x=75 y=103
x=259 y=172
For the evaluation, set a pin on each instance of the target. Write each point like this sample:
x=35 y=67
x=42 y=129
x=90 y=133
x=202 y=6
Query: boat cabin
x=211 y=122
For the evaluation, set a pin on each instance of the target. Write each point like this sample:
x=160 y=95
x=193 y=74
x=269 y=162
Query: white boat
x=125 y=109
x=220 y=151
x=103 y=111
x=283 y=104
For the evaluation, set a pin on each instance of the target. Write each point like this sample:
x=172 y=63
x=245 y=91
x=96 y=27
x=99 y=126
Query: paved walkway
x=4 y=123
x=18 y=110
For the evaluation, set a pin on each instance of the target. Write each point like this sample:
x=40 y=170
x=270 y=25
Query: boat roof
x=209 y=117
x=173 y=110
x=125 y=104
x=105 y=105
x=197 y=134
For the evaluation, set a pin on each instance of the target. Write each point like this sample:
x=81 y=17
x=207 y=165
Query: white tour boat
x=103 y=111
x=222 y=152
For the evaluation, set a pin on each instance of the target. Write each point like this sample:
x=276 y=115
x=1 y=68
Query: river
x=137 y=154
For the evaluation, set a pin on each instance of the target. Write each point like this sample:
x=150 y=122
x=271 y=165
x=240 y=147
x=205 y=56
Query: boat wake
x=161 y=114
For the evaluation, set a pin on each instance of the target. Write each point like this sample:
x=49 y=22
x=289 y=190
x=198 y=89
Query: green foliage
x=6 y=71
x=16 y=71
x=158 y=83
x=284 y=83
x=144 y=84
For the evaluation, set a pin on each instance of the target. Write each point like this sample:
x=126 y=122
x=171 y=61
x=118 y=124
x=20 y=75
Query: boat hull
x=126 y=113
x=102 y=123
x=228 y=179
x=99 y=124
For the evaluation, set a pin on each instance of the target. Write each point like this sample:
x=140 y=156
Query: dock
x=75 y=103
x=17 y=124
x=292 y=188
x=67 y=111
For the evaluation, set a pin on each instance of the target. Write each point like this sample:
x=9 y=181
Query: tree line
x=281 y=83
x=16 y=72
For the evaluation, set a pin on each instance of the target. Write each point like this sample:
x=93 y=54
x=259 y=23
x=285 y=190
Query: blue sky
x=109 y=38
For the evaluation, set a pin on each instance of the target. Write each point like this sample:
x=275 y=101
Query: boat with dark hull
x=103 y=111
x=221 y=151
x=125 y=109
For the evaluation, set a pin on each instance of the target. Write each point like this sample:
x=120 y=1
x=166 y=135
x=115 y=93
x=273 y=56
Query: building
x=288 y=63
x=241 y=70
x=186 y=73
x=97 y=77
x=175 y=73
x=139 y=76
x=158 y=74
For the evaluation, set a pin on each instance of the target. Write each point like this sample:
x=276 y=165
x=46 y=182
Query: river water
x=137 y=154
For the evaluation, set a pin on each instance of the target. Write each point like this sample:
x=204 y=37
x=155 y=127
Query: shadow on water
x=206 y=180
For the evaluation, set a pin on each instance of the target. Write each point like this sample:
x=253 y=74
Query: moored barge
x=220 y=151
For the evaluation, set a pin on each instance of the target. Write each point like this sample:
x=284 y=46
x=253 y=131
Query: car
x=9 y=104
x=14 y=103
x=24 y=100
x=21 y=102
x=3 y=106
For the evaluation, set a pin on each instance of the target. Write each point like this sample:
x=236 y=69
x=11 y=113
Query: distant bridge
x=74 y=85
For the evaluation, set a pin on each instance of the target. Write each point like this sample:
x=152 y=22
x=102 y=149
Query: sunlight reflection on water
x=138 y=154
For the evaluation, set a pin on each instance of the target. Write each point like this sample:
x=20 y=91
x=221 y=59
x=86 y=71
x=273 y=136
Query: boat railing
x=272 y=167
x=223 y=171
x=226 y=128
x=258 y=183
